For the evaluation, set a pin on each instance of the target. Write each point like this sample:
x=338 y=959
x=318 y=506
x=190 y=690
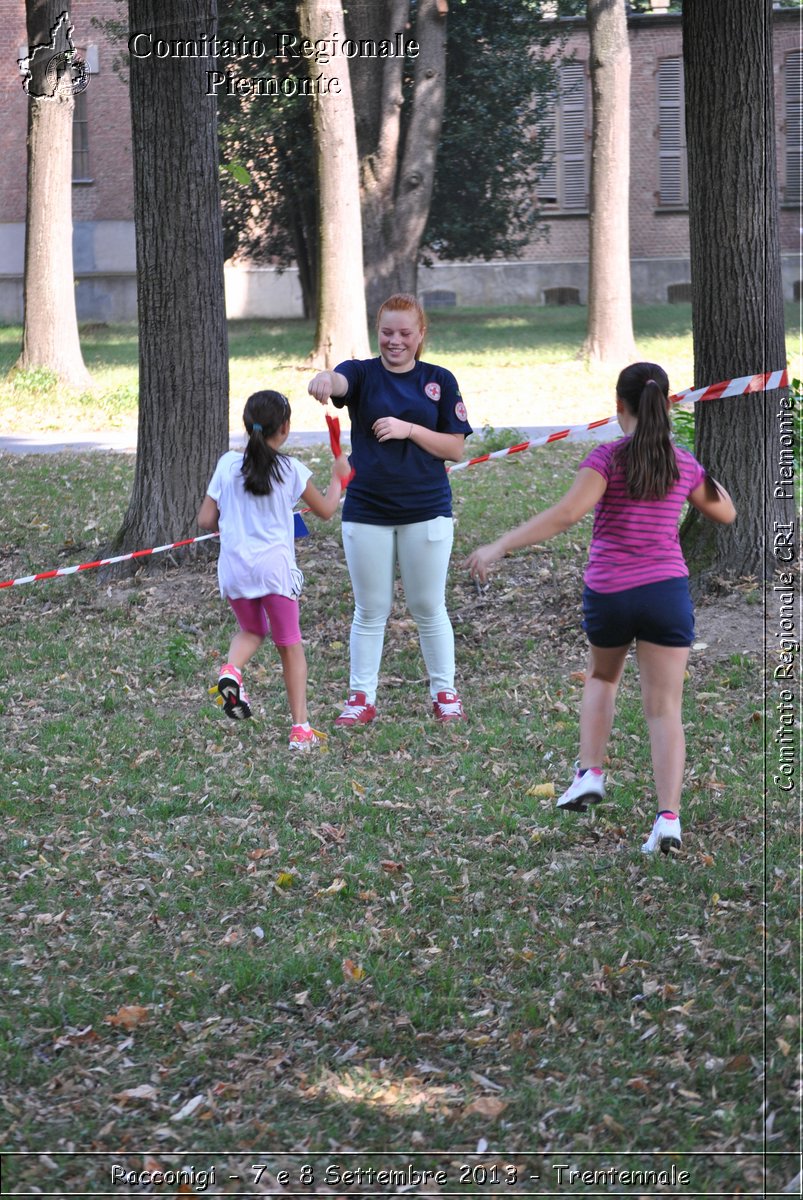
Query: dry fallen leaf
x=76 y=1037
x=189 y=1108
x=336 y=885
x=739 y=1062
x=352 y=971
x=145 y=1091
x=128 y=1016
x=486 y=1106
x=388 y=864
x=284 y=879
x=541 y=789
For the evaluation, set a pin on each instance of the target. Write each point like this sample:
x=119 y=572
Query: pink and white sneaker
x=231 y=696
x=447 y=706
x=356 y=711
x=586 y=788
x=665 y=834
x=307 y=739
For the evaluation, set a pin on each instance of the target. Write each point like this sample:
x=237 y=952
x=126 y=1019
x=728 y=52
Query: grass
x=398 y=946
x=516 y=366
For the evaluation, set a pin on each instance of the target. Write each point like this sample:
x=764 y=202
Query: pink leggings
x=253 y=616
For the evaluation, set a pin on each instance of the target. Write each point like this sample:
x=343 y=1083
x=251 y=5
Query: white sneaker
x=585 y=789
x=665 y=835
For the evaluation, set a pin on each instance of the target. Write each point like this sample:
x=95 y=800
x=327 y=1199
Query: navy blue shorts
x=661 y=612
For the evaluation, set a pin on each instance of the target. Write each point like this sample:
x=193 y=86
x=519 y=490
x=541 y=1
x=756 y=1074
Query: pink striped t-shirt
x=636 y=541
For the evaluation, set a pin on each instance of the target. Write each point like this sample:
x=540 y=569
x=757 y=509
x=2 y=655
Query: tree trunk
x=341 y=326
x=737 y=297
x=610 y=323
x=397 y=158
x=50 y=326
x=183 y=351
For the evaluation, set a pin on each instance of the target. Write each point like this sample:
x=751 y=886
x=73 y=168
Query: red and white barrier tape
x=106 y=562
x=715 y=391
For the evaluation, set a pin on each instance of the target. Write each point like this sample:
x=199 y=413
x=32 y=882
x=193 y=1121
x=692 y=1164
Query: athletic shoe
x=233 y=699
x=356 y=711
x=586 y=788
x=665 y=835
x=306 y=739
x=447 y=707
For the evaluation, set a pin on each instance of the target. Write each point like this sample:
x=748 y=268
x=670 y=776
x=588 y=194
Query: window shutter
x=573 y=144
x=672 y=182
x=80 y=139
x=548 y=177
x=793 y=125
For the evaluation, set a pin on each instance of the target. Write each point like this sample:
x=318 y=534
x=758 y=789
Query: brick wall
x=109 y=196
x=14 y=107
x=657 y=233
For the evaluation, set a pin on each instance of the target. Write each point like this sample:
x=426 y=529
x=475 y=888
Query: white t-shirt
x=257 y=551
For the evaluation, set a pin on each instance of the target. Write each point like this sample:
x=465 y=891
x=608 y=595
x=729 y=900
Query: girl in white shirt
x=250 y=500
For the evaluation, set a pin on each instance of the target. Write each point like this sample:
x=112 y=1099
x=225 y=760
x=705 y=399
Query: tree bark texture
x=397 y=156
x=50 y=326
x=737 y=298
x=610 y=323
x=183 y=349
x=341 y=325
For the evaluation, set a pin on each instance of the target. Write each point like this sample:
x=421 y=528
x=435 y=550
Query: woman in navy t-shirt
x=407 y=420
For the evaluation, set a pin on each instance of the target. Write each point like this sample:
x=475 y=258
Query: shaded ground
x=730 y=624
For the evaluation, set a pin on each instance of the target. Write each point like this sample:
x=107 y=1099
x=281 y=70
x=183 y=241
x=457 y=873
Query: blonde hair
x=405 y=302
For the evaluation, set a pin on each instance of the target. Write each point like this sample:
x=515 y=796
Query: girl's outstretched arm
x=586 y=491
x=325 y=506
x=209 y=515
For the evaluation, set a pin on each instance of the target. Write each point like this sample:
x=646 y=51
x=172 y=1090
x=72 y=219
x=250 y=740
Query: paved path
x=124 y=443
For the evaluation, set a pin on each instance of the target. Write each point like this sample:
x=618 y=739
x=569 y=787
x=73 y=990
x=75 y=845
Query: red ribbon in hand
x=334 y=442
x=334 y=434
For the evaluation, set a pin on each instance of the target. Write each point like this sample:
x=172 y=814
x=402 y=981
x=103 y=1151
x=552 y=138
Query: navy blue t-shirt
x=396 y=482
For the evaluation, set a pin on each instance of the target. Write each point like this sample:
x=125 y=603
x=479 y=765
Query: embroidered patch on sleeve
x=460 y=411
x=433 y=390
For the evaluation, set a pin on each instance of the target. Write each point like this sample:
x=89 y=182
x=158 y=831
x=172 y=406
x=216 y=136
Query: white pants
x=422 y=551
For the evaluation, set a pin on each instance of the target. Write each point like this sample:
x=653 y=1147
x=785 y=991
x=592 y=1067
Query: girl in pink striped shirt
x=636 y=585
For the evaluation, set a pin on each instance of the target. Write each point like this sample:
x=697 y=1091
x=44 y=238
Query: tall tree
x=342 y=327
x=497 y=80
x=495 y=54
x=50 y=326
x=274 y=218
x=183 y=351
x=737 y=296
x=397 y=156
x=610 y=324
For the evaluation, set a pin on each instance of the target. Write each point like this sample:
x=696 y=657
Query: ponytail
x=648 y=457
x=263 y=416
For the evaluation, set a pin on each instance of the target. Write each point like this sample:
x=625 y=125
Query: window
x=793 y=125
x=80 y=141
x=563 y=183
x=673 y=182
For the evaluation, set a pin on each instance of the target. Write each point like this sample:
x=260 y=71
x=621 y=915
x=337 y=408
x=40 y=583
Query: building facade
x=554 y=267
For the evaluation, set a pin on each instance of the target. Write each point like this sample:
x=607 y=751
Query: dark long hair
x=648 y=457
x=263 y=416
